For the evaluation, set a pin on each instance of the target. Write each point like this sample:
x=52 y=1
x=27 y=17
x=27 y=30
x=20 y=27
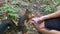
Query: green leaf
x=53 y=6
x=24 y=4
x=13 y=15
x=50 y=8
x=8 y=6
x=14 y=2
x=16 y=9
x=58 y=1
x=47 y=9
x=11 y=10
x=28 y=28
x=1 y=9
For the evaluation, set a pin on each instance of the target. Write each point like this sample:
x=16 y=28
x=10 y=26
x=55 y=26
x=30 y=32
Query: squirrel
x=22 y=23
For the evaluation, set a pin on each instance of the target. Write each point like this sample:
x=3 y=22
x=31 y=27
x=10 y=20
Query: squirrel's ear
x=28 y=11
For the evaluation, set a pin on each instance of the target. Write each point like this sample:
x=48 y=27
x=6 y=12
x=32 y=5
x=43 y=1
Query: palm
x=37 y=19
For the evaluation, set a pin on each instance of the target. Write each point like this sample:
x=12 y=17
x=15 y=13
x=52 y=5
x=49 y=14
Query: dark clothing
x=4 y=25
x=53 y=24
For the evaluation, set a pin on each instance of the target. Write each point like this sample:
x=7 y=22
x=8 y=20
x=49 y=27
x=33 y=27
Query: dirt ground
x=36 y=8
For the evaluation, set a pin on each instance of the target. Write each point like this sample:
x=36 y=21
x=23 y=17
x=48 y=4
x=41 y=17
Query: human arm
x=42 y=18
x=53 y=15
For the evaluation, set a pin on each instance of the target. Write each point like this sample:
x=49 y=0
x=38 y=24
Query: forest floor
x=36 y=8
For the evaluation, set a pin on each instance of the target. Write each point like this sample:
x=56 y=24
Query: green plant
x=10 y=10
x=14 y=2
x=50 y=8
x=24 y=4
x=58 y=1
x=28 y=28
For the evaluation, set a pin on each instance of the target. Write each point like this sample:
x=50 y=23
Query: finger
x=36 y=19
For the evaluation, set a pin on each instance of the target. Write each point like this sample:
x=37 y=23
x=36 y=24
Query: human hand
x=38 y=19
